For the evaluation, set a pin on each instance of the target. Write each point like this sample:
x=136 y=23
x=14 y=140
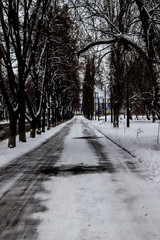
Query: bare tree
x=20 y=41
x=53 y=83
x=131 y=24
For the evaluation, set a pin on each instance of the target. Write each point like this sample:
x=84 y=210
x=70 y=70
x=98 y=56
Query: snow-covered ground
x=8 y=154
x=140 y=139
x=117 y=206
x=114 y=206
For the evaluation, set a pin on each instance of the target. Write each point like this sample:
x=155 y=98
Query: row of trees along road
x=38 y=68
x=38 y=65
x=128 y=32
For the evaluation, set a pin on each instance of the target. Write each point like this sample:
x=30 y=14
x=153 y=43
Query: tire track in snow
x=20 y=180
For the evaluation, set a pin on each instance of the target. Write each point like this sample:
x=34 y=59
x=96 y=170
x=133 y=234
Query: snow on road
x=118 y=205
x=8 y=154
x=78 y=151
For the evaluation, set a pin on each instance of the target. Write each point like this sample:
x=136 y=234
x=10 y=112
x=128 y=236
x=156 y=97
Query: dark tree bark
x=12 y=130
x=20 y=43
x=88 y=89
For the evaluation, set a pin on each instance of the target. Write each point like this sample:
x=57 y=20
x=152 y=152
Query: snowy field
x=140 y=139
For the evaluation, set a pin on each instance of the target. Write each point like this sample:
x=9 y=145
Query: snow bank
x=8 y=154
x=140 y=139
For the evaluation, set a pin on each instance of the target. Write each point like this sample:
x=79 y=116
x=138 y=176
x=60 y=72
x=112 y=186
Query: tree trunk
x=128 y=117
x=43 y=117
x=98 y=109
x=95 y=110
x=53 y=114
x=39 y=124
x=43 y=121
x=12 y=131
x=116 y=116
x=105 y=114
x=128 y=110
x=63 y=111
x=22 y=127
x=48 y=99
x=111 y=101
x=48 y=118
x=153 y=116
x=147 y=113
x=33 y=128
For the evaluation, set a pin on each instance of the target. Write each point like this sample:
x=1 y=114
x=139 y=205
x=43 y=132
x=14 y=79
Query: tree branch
x=109 y=41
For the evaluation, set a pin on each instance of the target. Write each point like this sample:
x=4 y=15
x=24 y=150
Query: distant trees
x=38 y=67
x=123 y=28
x=64 y=63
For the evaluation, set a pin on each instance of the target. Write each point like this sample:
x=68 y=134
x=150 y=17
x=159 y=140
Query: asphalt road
x=19 y=181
